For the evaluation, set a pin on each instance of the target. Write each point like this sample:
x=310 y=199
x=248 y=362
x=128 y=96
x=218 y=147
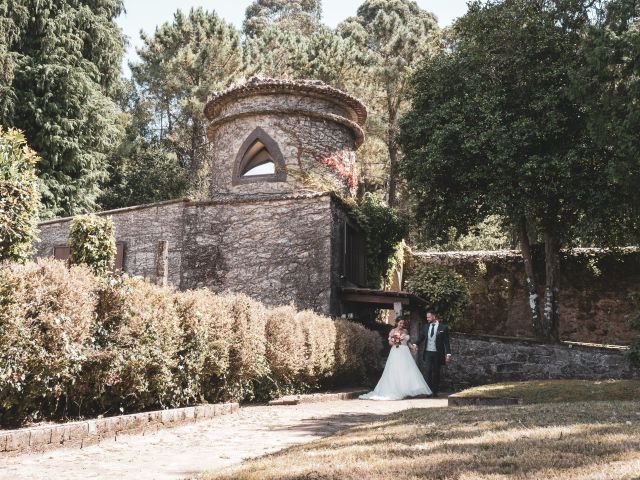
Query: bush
x=46 y=318
x=206 y=330
x=19 y=197
x=92 y=241
x=358 y=353
x=444 y=290
x=285 y=353
x=73 y=344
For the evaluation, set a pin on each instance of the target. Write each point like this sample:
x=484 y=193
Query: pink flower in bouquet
x=396 y=339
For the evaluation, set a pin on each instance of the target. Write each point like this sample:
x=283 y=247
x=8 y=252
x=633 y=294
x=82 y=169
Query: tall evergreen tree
x=302 y=16
x=397 y=35
x=180 y=65
x=67 y=56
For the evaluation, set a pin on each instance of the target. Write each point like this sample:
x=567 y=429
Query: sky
x=146 y=14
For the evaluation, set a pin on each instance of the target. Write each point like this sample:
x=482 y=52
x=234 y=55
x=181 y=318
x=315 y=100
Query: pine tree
x=397 y=35
x=301 y=16
x=180 y=65
x=67 y=58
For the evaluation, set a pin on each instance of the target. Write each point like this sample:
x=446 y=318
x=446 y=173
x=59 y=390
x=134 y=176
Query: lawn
x=545 y=391
x=568 y=441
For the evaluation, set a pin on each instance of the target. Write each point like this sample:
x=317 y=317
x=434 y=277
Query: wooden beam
x=377 y=299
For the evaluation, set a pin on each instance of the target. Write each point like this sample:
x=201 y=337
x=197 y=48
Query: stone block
x=223 y=409
x=200 y=412
x=105 y=427
x=3 y=442
x=189 y=414
x=59 y=435
x=40 y=437
x=76 y=431
x=18 y=441
x=92 y=427
x=167 y=416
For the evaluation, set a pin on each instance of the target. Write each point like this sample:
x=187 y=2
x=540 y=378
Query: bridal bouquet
x=396 y=339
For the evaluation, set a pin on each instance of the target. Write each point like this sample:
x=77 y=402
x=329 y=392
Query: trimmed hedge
x=73 y=344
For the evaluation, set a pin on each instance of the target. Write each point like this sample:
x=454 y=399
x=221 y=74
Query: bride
x=401 y=377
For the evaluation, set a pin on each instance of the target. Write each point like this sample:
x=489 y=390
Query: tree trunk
x=525 y=249
x=551 y=295
x=392 y=147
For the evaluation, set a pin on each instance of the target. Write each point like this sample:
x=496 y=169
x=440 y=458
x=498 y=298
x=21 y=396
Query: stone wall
x=277 y=250
x=480 y=360
x=594 y=295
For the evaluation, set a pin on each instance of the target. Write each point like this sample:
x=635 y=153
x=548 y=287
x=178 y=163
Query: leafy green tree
x=180 y=66
x=92 y=242
x=496 y=128
x=607 y=83
x=396 y=35
x=19 y=197
x=142 y=169
x=67 y=58
x=301 y=16
x=445 y=290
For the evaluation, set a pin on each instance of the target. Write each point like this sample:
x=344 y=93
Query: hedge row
x=72 y=345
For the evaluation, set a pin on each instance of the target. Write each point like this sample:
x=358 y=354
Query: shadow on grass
x=534 y=441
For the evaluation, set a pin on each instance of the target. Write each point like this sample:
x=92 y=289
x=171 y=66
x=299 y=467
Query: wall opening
x=259 y=160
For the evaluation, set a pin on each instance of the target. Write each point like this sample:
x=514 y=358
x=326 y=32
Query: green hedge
x=73 y=344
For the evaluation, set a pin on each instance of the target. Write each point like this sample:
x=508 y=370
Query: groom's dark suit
x=433 y=360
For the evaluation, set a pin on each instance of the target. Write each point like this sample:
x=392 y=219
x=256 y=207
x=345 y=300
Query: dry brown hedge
x=73 y=345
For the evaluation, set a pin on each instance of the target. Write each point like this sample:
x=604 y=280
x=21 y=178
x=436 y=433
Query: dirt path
x=184 y=451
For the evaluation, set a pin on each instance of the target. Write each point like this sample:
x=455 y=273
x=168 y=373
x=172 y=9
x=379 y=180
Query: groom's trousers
x=432 y=362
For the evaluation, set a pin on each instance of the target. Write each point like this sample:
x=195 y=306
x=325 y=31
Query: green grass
x=567 y=441
x=545 y=391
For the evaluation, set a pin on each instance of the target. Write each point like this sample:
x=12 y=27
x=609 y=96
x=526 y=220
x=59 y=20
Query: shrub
x=46 y=317
x=285 y=353
x=92 y=241
x=137 y=339
x=248 y=364
x=444 y=290
x=73 y=344
x=319 y=346
x=206 y=329
x=358 y=353
x=19 y=197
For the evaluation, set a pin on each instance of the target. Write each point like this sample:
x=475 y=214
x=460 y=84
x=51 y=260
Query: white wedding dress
x=401 y=377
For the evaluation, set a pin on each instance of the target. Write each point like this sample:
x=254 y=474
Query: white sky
x=146 y=14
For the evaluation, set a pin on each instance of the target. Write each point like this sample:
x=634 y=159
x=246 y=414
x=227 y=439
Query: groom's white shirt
x=431 y=339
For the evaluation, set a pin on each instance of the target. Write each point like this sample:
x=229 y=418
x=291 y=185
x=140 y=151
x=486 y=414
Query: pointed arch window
x=259 y=160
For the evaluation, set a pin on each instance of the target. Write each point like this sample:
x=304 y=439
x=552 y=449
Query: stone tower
x=282 y=136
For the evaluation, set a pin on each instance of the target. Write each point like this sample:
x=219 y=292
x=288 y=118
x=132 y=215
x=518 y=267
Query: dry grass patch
x=546 y=391
x=546 y=441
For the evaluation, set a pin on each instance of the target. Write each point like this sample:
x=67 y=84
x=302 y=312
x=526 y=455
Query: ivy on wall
x=383 y=231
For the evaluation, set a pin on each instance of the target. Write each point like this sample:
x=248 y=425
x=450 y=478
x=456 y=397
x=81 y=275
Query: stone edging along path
x=90 y=432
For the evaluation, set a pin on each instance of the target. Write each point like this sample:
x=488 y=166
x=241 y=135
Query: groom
x=436 y=349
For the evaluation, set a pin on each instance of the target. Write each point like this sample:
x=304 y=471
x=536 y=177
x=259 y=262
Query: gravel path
x=187 y=450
